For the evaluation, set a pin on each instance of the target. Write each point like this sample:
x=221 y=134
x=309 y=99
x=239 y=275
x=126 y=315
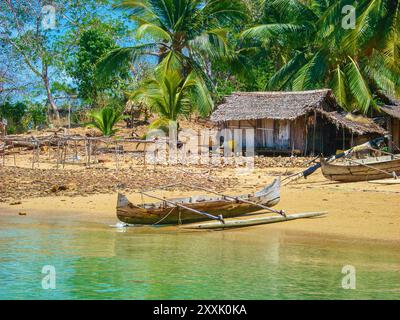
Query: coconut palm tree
x=171 y=94
x=105 y=119
x=360 y=64
x=192 y=31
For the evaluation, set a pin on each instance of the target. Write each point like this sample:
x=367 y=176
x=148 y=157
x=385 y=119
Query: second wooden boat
x=361 y=169
x=166 y=212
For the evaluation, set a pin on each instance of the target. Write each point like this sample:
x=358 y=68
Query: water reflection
x=95 y=261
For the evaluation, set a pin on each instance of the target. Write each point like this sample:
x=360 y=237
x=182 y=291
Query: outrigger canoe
x=361 y=169
x=175 y=211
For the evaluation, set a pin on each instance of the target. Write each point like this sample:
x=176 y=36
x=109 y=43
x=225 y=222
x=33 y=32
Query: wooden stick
x=33 y=156
x=116 y=156
x=58 y=153
x=86 y=152
x=38 y=155
x=4 y=156
x=89 y=151
x=281 y=212
x=393 y=174
x=15 y=161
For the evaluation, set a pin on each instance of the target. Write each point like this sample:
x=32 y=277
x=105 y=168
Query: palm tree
x=172 y=94
x=105 y=119
x=360 y=65
x=192 y=31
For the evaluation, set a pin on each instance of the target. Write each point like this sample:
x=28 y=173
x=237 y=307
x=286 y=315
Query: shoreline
x=358 y=210
x=351 y=215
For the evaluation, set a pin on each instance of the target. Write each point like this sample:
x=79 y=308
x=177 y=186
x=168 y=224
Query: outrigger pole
x=372 y=144
x=219 y=218
x=281 y=212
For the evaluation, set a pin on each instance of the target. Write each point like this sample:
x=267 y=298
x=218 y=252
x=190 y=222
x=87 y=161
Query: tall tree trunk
x=50 y=98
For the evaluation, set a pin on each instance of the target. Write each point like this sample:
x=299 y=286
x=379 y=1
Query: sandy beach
x=362 y=210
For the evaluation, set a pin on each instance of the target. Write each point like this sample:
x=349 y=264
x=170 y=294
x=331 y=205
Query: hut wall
x=272 y=134
x=298 y=135
x=264 y=135
x=282 y=134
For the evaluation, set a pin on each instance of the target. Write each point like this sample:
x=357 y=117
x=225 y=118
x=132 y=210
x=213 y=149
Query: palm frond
x=265 y=31
x=296 y=9
x=154 y=31
x=105 y=120
x=359 y=87
x=339 y=85
x=212 y=44
x=311 y=75
x=118 y=59
x=226 y=10
x=280 y=79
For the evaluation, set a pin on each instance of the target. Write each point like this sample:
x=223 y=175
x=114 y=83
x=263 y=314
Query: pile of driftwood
x=72 y=149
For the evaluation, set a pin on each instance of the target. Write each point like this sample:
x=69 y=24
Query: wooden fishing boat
x=182 y=210
x=361 y=169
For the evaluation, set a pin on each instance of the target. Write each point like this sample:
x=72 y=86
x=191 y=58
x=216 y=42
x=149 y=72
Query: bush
x=13 y=113
x=36 y=116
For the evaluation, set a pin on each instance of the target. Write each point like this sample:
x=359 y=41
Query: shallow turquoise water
x=94 y=261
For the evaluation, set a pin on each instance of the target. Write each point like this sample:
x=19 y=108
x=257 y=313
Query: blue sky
x=23 y=75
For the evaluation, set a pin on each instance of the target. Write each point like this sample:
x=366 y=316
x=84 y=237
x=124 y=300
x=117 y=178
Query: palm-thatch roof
x=289 y=106
x=393 y=109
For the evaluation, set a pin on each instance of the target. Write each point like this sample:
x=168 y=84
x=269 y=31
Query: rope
x=164 y=217
x=179 y=217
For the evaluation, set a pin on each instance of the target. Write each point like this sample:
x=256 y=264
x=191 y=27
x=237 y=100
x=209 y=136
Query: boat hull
x=164 y=213
x=361 y=170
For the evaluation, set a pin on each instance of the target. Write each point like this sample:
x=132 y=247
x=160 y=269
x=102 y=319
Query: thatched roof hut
x=289 y=115
x=289 y=106
x=392 y=110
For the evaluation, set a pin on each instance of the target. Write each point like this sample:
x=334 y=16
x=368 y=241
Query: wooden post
x=33 y=155
x=306 y=144
x=314 y=133
x=344 y=142
x=352 y=139
x=116 y=156
x=65 y=150
x=4 y=155
x=94 y=152
x=38 y=154
x=76 y=150
x=89 y=152
x=389 y=126
x=58 y=153
x=86 y=152
x=13 y=149
x=144 y=156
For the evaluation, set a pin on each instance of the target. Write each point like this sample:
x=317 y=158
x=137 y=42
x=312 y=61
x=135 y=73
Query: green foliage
x=92 y=45
x=36 y=115
x=172 y=94
x=193 y=31
x=356 y=63
x=105 y=119
x=13 y=113
x=221 y=45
